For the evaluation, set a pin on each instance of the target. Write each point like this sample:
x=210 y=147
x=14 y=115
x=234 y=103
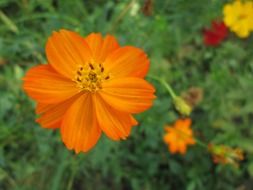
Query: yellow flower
x=238 y=16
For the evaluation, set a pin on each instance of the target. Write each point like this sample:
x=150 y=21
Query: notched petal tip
x=95 y=35
x=130 y=94
x=80 y=130
x=127 y=61
x=115 y=124
x=66 y=50
x=45 y=85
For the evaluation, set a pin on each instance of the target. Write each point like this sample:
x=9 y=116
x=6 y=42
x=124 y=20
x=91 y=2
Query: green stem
x=121 y=16
x=200 y=143
x=8 y=22
x=165 y=84
x=168 y=87
x=9 y=178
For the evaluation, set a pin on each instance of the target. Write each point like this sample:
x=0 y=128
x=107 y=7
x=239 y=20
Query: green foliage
x=35 y=158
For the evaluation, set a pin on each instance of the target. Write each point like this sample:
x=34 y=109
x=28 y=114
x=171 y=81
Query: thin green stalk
x=154 y=78
x=200 y=143
x=74 y=164
x=11 y=181
x=57 y=177
x=8 y=22
x=121 y=16
x=168 y=87
x=165 y=84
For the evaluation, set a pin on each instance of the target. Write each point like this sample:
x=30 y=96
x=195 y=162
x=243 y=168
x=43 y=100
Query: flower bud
x=181 y=106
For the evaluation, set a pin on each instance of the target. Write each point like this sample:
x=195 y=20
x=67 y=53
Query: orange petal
x=173 y=148
x=169 y=138
x=40 y=107
x=115 y=124
x=52 y=125
x=127 y=62
x=182 y=147
x=66 y=51
x=79 y=129
x=110 y=44
x=45 y=85
x=49 y=122
x=131 y=95
x=190 y=141
x=95 y=42
x=51 y=115
x=187 y=122
x=55 y=125
x=100 y=47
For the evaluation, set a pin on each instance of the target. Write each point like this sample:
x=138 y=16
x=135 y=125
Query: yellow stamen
x=242 y=16
x=89 y=77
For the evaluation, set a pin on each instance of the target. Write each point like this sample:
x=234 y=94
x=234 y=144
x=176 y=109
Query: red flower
x=216 y=34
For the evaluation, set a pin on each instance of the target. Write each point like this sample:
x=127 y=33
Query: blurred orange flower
x=90 y=85
x=179 y=136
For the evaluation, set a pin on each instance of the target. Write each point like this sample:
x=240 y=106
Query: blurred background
x=171 y=32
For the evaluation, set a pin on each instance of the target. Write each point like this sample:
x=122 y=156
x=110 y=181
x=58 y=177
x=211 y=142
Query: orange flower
x=179 y=136
x=90 y=85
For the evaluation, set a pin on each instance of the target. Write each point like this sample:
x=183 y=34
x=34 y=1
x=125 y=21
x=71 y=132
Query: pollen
x=89 y=77
x=242 y=16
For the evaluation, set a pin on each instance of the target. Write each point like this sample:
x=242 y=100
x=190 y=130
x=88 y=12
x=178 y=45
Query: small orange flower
x=179 y=136
x=90 y=85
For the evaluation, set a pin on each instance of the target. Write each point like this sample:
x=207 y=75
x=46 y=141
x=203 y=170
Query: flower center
x=242 y=16
x=89 y=77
